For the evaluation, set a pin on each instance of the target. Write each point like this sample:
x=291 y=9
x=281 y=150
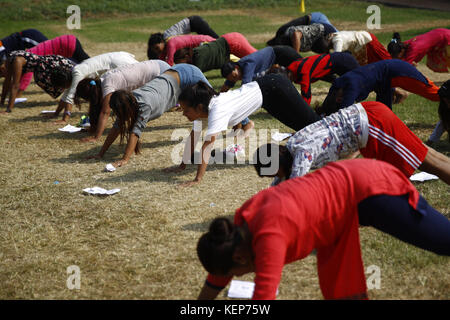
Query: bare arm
x=208 y=293
x=131 y=145
x=112 y=136
x=296 y=40
x=103 y=118
x=206 y=154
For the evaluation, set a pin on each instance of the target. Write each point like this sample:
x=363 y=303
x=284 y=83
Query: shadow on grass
x=420 y=126
x=150 y=128
x=203 y=226
x=113 y=154
x=76 y=136
x=158 y=175
x=26 y=105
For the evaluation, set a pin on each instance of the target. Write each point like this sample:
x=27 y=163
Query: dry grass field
x=140 y=243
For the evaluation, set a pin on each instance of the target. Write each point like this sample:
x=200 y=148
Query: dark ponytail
x=90 y=90
x=215 y=248
x=395 y=46
x=199 y=93
x=264 y=157
x=60 y=78
x=125 y=109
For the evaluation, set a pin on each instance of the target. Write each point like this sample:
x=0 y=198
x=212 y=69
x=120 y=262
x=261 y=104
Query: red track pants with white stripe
x=391 y=140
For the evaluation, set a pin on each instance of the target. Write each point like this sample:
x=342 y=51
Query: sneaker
x=84 y=121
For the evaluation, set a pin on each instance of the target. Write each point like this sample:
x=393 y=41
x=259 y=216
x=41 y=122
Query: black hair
x=279 y=41
x=60 y=78
x=395 y=46
x=199 y=93
x=125 y=110
x=263 y=158
x=444 y=108
x=155 y=38
x=321 y=45
x=90 y=89
x=181 y=54
x=280 y=70
x=227 y=68
x=215 y=248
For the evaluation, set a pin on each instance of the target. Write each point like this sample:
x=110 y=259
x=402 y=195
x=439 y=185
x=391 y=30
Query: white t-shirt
x=231 y=107
x=94 y=67
x=350 y=40
x=132 y=76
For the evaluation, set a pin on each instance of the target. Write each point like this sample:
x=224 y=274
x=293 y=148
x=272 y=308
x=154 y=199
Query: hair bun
x=221 y=230
x=396 y=36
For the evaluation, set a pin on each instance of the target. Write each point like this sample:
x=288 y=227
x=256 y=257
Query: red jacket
x=317 y=211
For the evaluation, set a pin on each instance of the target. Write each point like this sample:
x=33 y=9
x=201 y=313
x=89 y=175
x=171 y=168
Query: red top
x=419 y=46
x=316 y=211
x=183 y=41
x=62 y=46
x=309 y=70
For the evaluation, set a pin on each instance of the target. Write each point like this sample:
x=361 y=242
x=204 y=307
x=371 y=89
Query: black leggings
x=282 y=100
x=200 y=26
x=425 y=228
x=305 y=20
x=79 y=55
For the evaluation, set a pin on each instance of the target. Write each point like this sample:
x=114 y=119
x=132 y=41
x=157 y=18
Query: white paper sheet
x=423 y=176
x=20 y=100
x=241 y=289
x=280 y=136
x=70 y=128
x=110 y=168
x=48 y=111
x=100 y=191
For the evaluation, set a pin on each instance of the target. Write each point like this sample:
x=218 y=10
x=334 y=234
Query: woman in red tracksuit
x=321 y=210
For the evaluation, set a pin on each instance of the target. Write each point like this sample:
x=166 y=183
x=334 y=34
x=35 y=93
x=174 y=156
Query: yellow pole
x=302 y=6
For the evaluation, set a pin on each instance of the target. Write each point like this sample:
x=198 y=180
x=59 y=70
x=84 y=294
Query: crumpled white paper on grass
x=110 y=168
x=280 y=136
x=423 y=176
x=100 y=191
x=69 y=128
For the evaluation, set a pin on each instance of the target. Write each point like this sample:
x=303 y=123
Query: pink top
x=183 y=41
x=425 y=43
x=62 y=46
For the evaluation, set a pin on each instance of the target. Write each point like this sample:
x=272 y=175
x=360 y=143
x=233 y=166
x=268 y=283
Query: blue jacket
x=377 y=76
x=255 y=65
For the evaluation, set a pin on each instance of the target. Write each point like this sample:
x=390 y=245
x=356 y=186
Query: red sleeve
x=217 y=282
x=305 y=87
x=270 y=254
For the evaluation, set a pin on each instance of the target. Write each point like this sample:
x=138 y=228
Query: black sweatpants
x=200 y=26
x=282 y=100
x=79 y=55
x=425 y=227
